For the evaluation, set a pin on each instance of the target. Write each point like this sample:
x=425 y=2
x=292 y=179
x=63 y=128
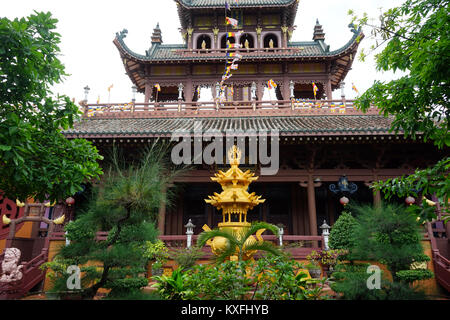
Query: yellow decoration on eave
x=60 y=220
x=6 y=220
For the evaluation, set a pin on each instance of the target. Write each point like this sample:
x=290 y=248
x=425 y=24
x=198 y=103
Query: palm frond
x=256 y=226
x=207 y=235
x=264 y=246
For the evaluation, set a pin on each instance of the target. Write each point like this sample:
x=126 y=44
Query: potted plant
x=157 y=254
x=326 y=259
x=314 y=270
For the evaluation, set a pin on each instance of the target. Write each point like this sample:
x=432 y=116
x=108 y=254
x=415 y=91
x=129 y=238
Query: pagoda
x=234 y=200
x=320 y=140
x=266 y=28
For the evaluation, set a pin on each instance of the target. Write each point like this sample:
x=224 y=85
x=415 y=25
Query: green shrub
x=409 y=276
x=351 y=284
x=134 y=295
x=269 y=278
x=173 y=287
x=342 y=235
x=388 y=234
x=186 y=257
x=127 y=286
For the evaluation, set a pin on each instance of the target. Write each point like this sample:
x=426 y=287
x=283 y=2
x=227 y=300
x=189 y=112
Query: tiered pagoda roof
x=185 y=6
x=241 y=3
x=296 y=51
x=320 y=125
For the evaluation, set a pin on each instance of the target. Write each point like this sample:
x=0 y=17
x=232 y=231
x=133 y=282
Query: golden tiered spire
x=234 y=199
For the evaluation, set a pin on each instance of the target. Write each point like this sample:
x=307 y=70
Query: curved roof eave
x=123 y=48
x=250 y=4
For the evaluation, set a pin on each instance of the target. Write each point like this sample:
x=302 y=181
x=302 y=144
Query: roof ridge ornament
x=353 y=28
x=122 y=34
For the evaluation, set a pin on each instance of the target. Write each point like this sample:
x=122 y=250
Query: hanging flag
x=227 y=6
x=232 y=21
x=234 y=45
x=342 y=108
x=271 y=84
x=234 y=55
x=226 y=77
x=234 y=66
x=315 y=89
x=233 y=34
x=158 y=87
x=332 y=107
x=354 y=88
x=110 y=87
x=232 y=90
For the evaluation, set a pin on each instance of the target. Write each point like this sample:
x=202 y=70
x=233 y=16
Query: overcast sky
x=88 y=29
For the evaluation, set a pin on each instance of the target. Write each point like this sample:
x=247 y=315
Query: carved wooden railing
x=215 y=108
x=32 y=274
x=244 y=51
x=441 y=264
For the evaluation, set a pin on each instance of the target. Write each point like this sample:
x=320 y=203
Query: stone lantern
x=189 y=232
x=326 y=233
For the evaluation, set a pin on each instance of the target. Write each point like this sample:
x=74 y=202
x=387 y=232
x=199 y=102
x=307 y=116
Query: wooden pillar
x=328 y=91
x=310 y=185
x=286 y=90
x=376 y=195
x=188 y=91
x=148 y=91
x=260 y=90
x=284 y=43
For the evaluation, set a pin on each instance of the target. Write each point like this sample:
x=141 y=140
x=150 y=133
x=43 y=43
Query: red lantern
x=70 y=201
x=344 y=200
x=410 y=200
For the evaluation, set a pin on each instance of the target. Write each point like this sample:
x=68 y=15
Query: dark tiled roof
x=287 y=125
x=241 y=3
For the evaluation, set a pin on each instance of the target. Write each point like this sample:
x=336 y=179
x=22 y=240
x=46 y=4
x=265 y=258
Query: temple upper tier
x=260 y=37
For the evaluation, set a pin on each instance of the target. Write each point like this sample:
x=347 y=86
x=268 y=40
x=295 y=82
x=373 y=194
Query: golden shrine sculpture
x=234 y=201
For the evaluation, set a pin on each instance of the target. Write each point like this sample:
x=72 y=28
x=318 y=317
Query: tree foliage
x=269 y=278
x=351 y=283
x=429 y=181
x=343 y=231
x=36 y=160
x=388 y=234
x=416 y=36
x=125 y=206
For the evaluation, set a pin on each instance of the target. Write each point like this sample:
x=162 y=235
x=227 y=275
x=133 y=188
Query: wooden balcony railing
x=217 y=109
x=243 y=51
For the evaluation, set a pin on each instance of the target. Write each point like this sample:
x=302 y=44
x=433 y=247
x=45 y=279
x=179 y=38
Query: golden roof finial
x=234 y=155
